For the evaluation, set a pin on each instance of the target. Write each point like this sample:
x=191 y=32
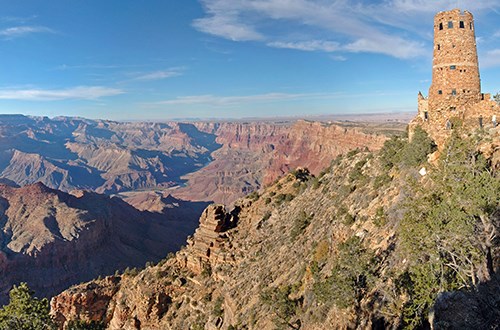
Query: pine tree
x=25 y=312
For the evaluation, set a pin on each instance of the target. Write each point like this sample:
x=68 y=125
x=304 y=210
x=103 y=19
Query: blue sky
x=164 y=59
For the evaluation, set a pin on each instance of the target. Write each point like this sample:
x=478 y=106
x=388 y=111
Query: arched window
x=440 y=26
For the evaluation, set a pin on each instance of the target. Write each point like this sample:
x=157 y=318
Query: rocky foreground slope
x=376 y=241
x=51 y=239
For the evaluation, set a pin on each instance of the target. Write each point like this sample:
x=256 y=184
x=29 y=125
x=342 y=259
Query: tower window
x=462 y=25
x=470 y=24
x=453 y=92
x=453 y=67
x=440 y=92
x=450 y=25
x=441 y=26
x=439 y=47
x=453 y=108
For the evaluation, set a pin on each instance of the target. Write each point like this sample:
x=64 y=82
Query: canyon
x=207 y=161
x=82 y=198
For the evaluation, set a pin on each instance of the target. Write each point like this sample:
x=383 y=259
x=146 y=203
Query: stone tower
x=455 y=96
x=455 y=69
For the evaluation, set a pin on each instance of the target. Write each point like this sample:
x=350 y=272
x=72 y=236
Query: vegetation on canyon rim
x=26 y=312
x=446 y=236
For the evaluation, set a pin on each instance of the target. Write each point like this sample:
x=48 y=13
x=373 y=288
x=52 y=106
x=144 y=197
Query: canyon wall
x=255 y=154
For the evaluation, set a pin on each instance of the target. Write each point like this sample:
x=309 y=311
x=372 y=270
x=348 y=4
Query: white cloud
x=63 y=67
x=312 y=45
x=212 y=100
x=80 y=92
x=338 y=58
x=227 y=27
x=17 y=19
x=21 y=31
x=490 y=59
x=159 y=75
x=396 y=47
x=228 y=101
x=390 y=27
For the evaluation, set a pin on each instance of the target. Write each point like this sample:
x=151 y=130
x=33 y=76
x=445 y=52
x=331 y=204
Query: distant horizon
x=311 y=117
x=158 y=60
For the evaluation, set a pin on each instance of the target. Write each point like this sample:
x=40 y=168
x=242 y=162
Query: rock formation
x=256 y=154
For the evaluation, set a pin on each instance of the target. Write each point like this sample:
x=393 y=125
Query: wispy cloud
x=160 y=74
x=17 y=19
x=227 y=26
x=212 y=100
x=490 y=59
x=312 y=45
x=390 y=27
x=241 y=100
x=79 y=92
x=21 y=31
x=64 y=67
x=338 y=58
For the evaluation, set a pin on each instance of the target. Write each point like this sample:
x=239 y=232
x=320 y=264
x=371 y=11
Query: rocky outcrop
x=210 y=239
x=478 y=309
x=53 y=239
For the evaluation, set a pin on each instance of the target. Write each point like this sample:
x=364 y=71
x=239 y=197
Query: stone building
x=455 y=95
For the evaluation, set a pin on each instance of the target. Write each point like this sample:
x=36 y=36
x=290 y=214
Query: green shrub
x=25 y=312
x=352 y=153
x=315 y=183
x=218 y=310
x=381 y=180
x=284 y=198
x=390 y=154
x=416 y=152
x=301 y=222
x=380 y=219
x=356 y=174
x=266 y=216
x=351 y=276
x=85 y=325
x=344 y=216
x=280 y=302
x=254 y=196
